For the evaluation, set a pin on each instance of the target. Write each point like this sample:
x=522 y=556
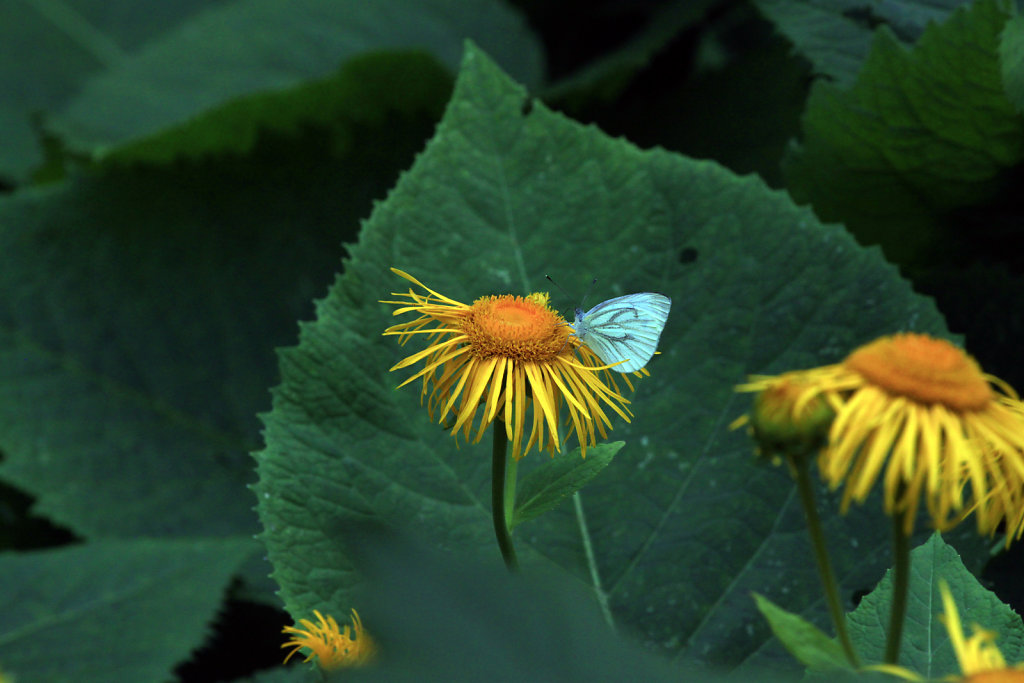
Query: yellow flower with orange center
x=333 y=647
x=919 y=413
x=507 y=358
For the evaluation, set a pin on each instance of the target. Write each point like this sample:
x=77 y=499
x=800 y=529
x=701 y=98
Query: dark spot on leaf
x=527 y=106
x=687 y=255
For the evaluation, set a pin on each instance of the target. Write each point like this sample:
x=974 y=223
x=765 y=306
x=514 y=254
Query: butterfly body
x=626 y=328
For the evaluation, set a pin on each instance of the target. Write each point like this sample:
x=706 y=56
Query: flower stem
x=900 y=588
x=510 y=488
x=499 y=456
x=828 y=577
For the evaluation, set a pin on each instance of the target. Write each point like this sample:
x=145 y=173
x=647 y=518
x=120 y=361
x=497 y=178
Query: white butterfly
x=626 y=328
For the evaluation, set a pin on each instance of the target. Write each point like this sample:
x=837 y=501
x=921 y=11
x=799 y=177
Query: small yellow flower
x=502 y=357
x=333 y=648
x=919 y=413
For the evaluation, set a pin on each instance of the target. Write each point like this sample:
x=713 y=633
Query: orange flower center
x=508 y=326
x=924 y=369
x=996 y=676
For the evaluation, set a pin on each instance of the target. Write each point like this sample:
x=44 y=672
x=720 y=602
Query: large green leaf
x=111 y=610
x=674 y=535
x=213 y=83
x=51 y=47
x=925 y=646
x=364 y=92
x=920 y=133
x=836 y=35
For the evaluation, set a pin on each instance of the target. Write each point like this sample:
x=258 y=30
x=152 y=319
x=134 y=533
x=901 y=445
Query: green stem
x=821 y=558
x=900 y=588
x=510 y=489
x=499 y=513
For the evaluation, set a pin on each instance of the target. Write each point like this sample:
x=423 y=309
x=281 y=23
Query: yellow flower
x=922 y=410
x=979 y=659
x=500 y=356
x=333 y=648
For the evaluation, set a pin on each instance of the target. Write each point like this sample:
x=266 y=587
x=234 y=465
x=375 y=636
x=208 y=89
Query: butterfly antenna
x=583 y=302
x=567 y=297
x=559 y=287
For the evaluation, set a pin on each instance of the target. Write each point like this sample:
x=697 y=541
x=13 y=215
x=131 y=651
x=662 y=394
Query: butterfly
x=626 y=328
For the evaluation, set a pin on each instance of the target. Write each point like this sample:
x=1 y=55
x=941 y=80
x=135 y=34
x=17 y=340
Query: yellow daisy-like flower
x=979 y=659
x=333 y=647
x=500 y=356
x=922 y=411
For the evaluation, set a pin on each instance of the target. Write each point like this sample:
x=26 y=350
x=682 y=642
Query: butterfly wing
x=626 y=328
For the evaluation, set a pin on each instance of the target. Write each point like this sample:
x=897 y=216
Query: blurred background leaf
x=183 y=89
x=52 y=46
x=142 y=604
x=203 y=76
x=140 y=312
x=1011 y=53
x=836 y=35
x=920 y=134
